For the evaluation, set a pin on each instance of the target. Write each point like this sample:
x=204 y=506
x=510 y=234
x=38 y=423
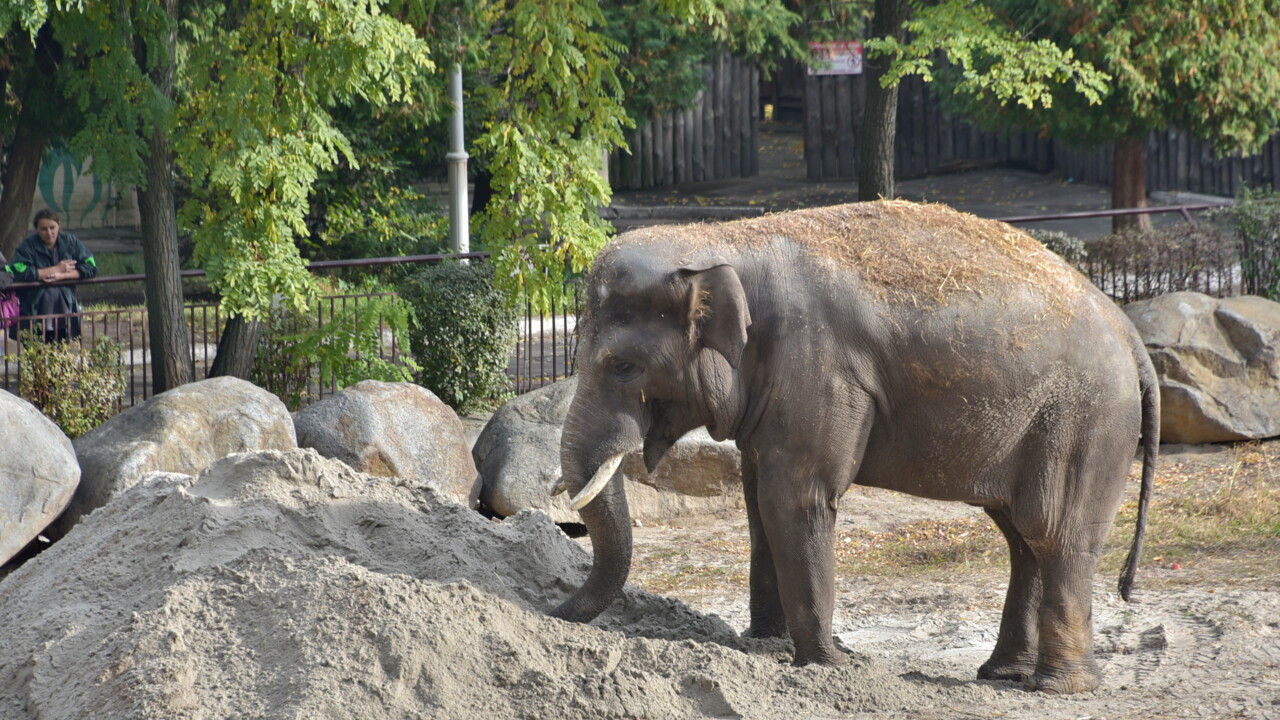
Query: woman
x=49 y=255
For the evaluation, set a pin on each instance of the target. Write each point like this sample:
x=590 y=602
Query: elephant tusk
x=558 y=485
x=601 y=478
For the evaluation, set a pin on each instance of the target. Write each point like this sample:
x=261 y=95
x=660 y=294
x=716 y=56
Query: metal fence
x=1196 y=256
x=543 y=352
x=545 y=346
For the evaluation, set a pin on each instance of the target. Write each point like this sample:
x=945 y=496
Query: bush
x=1137 y=264
x=1256 y=219
x=1068 y=247
x=298 y=353
x=75 y=390
x=462 y=334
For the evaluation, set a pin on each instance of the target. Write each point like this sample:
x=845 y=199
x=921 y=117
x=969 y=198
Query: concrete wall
x=83 y=200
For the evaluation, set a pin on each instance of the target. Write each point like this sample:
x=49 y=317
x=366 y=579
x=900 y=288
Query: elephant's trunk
x=609 y=524
x=591 y=454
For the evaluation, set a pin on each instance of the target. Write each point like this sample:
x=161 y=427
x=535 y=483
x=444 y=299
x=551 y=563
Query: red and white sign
x=842 y=57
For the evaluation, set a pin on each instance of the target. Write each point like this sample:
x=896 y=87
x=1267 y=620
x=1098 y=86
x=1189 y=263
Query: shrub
x=299 y=353
x=1256 y=219
x=76 y=390
x=1068 y=247
x=462 y=334
x=1136 y=264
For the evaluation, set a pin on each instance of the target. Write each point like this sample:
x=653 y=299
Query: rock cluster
x=1218 y=366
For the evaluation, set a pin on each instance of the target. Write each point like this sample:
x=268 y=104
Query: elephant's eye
x=625 y=370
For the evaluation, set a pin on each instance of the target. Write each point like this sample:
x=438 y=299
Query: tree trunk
x=236 y=348
x=19 y=183
x=1129 y=183
x=875 y=157
x=171 y=360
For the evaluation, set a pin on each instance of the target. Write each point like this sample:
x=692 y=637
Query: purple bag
x=9 y=310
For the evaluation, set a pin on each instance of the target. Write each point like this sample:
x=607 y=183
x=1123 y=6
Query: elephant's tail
x=1150 y=384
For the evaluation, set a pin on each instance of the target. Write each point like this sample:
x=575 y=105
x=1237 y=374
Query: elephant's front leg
x=768 y=619
x=798 y=513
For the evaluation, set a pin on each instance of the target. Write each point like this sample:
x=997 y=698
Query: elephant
x=889 y=344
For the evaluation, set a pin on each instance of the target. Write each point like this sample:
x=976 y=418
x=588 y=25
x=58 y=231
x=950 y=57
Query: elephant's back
x=903 y=252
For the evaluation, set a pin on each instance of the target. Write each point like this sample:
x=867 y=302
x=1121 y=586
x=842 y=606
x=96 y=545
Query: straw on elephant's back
x=910 y=252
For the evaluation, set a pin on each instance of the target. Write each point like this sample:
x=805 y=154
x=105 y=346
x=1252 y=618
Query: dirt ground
x=1201 y=638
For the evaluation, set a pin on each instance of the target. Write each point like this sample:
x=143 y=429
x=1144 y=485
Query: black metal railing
x=544 y=351
x=1137 y=266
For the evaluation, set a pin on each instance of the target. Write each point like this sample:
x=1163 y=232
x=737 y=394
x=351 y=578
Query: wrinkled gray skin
x=1026 y=402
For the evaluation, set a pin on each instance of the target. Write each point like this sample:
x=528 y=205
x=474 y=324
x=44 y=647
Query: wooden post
x=698 y=152
x=812 y=128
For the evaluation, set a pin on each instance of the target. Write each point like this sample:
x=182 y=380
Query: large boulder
x=518 y=454
x=182 y=431
x=394 y=430
x=38 y=473
x=1219 y=375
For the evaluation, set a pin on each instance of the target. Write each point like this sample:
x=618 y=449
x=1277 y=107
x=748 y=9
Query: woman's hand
x=65 y=270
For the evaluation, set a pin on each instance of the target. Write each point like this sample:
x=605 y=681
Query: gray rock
x=181 y=431
x=1219 y=375
x=518 y=454
x=38 y=473
x=394 y=430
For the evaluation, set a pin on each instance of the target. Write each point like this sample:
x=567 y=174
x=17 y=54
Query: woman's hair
x=45 y=214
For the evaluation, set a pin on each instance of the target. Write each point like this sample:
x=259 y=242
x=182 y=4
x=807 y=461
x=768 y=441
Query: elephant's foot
x=1016 y=668
x=1065 y=682
x=765 y=631
x=823 y=655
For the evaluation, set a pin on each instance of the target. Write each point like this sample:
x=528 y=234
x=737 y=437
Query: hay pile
x=905 y=252
x=285 y=585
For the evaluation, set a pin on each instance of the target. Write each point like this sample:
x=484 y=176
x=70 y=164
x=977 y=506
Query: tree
x=33 y=117
x=875 y=151
x=248 y=121
x=1209 y=67
x=249 y=131
x=986 y=58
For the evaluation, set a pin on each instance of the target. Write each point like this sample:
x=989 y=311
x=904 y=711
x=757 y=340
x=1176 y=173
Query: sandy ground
x=285 y=585
x=1196 y=642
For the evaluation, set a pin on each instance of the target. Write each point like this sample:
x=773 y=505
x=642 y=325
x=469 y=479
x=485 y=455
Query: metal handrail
x=1185 y=210
x=317 y=265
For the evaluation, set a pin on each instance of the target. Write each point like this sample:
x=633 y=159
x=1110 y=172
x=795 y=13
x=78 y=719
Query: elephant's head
x=659 y=349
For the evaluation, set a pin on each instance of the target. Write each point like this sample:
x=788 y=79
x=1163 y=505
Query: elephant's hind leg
x=1066 y=663
x=1017 y=647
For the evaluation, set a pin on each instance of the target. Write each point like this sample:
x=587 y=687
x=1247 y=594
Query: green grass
x=114 y=263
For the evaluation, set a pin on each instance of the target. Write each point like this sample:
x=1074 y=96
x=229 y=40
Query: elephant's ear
x=718 y=314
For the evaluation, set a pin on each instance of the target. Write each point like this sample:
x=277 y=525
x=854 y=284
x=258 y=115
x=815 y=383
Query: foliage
x=759 y=29
x=252 y=173
x=382 y=220
x=557 y=108
x=369 y=207
x=1256 y=220
x=300 y=352
x=1068 y=247
x=1135 y=263
x=74 y=389
x=1211 y=67
x=992 y=60
x=463 y=331
x=276 y=98
x=662 y=57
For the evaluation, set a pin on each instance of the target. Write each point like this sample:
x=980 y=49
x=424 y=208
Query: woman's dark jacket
x=33 y=255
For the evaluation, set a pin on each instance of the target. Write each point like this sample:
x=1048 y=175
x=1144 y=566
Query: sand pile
x=285 y=585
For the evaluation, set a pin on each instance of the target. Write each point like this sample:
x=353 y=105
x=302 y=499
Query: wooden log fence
x=931 y=141
x=714 y=139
